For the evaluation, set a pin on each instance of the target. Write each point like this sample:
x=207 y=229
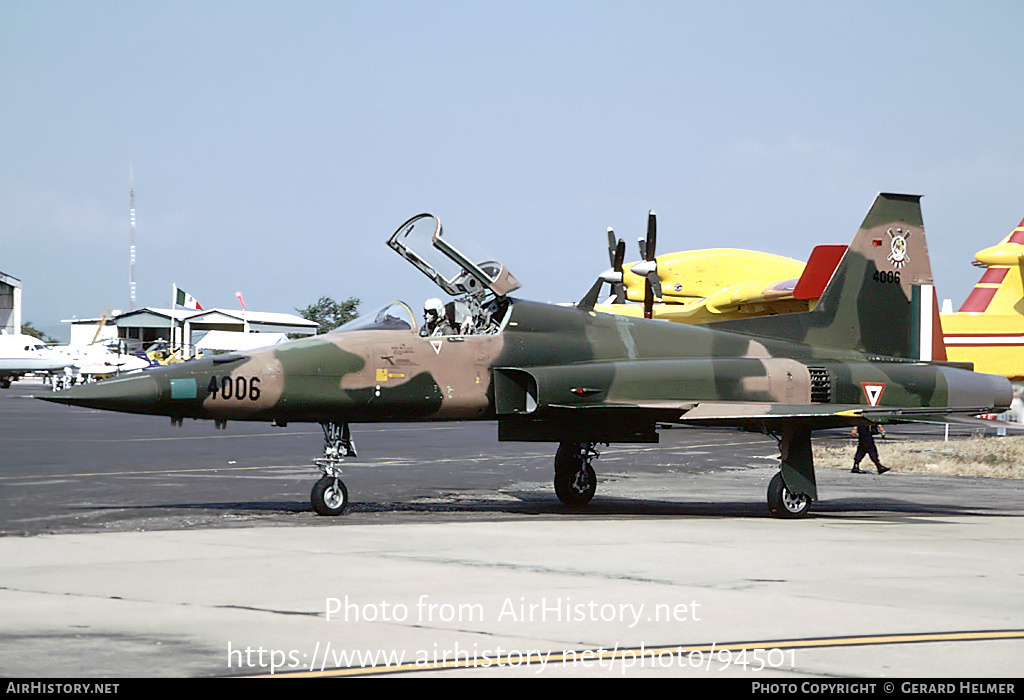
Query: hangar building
x=10 y=304
x=139 y=329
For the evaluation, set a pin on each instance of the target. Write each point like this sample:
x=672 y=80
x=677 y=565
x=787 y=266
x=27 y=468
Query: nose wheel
x=329 y=496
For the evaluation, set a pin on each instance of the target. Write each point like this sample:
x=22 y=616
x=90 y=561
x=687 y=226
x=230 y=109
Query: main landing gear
x=785 y=504
x=329 y=495
x=575 y=480
x=793 y=489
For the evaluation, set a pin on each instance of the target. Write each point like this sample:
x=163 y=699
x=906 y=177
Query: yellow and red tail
x=988 y=330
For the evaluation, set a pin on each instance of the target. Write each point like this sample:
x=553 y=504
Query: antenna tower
x=131 y=263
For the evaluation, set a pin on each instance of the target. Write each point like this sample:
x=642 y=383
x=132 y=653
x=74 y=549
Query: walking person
x=865 y=435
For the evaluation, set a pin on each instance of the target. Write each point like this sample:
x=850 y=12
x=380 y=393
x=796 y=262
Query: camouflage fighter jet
x=580 y=378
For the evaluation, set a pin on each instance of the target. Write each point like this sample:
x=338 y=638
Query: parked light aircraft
x=21 y=354
x=580 y=378
x=988 y=329
x=97 y=361
x=715 y=284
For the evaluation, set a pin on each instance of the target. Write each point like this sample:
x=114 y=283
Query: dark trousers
x=866 y=448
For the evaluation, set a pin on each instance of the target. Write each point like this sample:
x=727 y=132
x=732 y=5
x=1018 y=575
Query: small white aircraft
x=91 y=362
x=21 y=354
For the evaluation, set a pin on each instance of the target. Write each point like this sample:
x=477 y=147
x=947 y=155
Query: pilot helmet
x=433 y=306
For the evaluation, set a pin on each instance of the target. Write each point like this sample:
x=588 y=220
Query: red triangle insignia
x=873 y=391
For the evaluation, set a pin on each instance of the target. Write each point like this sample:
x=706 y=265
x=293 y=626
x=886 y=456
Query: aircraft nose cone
x=127 y=394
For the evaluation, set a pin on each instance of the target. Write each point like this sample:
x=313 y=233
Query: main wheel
x=784 y=504
x=575 y=480
x=329 y=496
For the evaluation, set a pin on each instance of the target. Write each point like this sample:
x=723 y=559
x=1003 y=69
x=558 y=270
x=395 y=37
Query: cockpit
x=479 y=306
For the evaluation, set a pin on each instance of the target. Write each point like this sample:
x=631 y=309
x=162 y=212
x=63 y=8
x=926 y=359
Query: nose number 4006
x=240 y=387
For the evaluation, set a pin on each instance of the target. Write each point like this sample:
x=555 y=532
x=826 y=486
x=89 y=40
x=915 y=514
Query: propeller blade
x=619 y=289
x=655 y=282
x=652 y=234
x=616 y=254
x=648 y=252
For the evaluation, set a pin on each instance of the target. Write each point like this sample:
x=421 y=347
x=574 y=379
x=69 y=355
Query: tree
x=329 y=314
x=27 y=329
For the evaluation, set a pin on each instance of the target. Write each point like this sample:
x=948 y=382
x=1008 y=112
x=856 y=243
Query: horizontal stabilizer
x=823 y=262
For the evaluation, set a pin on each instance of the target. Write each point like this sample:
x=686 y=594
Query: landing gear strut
x=793 y=489
x=338 y=441
x=329 y=495
x=575 y=480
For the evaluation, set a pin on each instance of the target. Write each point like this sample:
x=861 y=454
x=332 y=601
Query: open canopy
x=419 y=240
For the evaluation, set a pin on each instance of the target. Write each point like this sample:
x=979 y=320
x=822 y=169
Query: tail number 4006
x=241 y=388
x=886 y=277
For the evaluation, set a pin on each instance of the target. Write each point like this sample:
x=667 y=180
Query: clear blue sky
x=276 y=145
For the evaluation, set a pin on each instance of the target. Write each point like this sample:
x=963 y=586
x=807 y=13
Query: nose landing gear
x=329 y=495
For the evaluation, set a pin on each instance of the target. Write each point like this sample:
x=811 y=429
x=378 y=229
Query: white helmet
x=434 y=305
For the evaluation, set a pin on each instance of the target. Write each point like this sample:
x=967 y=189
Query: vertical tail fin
x=988 y=330
x=1002 y=261
x=869 y=303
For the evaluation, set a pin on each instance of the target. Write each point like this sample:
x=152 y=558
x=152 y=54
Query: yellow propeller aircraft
x=717 y=284
x=988 y=330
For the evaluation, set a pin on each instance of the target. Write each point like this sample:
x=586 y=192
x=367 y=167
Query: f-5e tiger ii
x=581 y=378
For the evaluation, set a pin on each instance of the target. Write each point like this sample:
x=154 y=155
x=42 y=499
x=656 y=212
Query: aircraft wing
x=761 y=415
x=774 y=417
x=812 y=281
